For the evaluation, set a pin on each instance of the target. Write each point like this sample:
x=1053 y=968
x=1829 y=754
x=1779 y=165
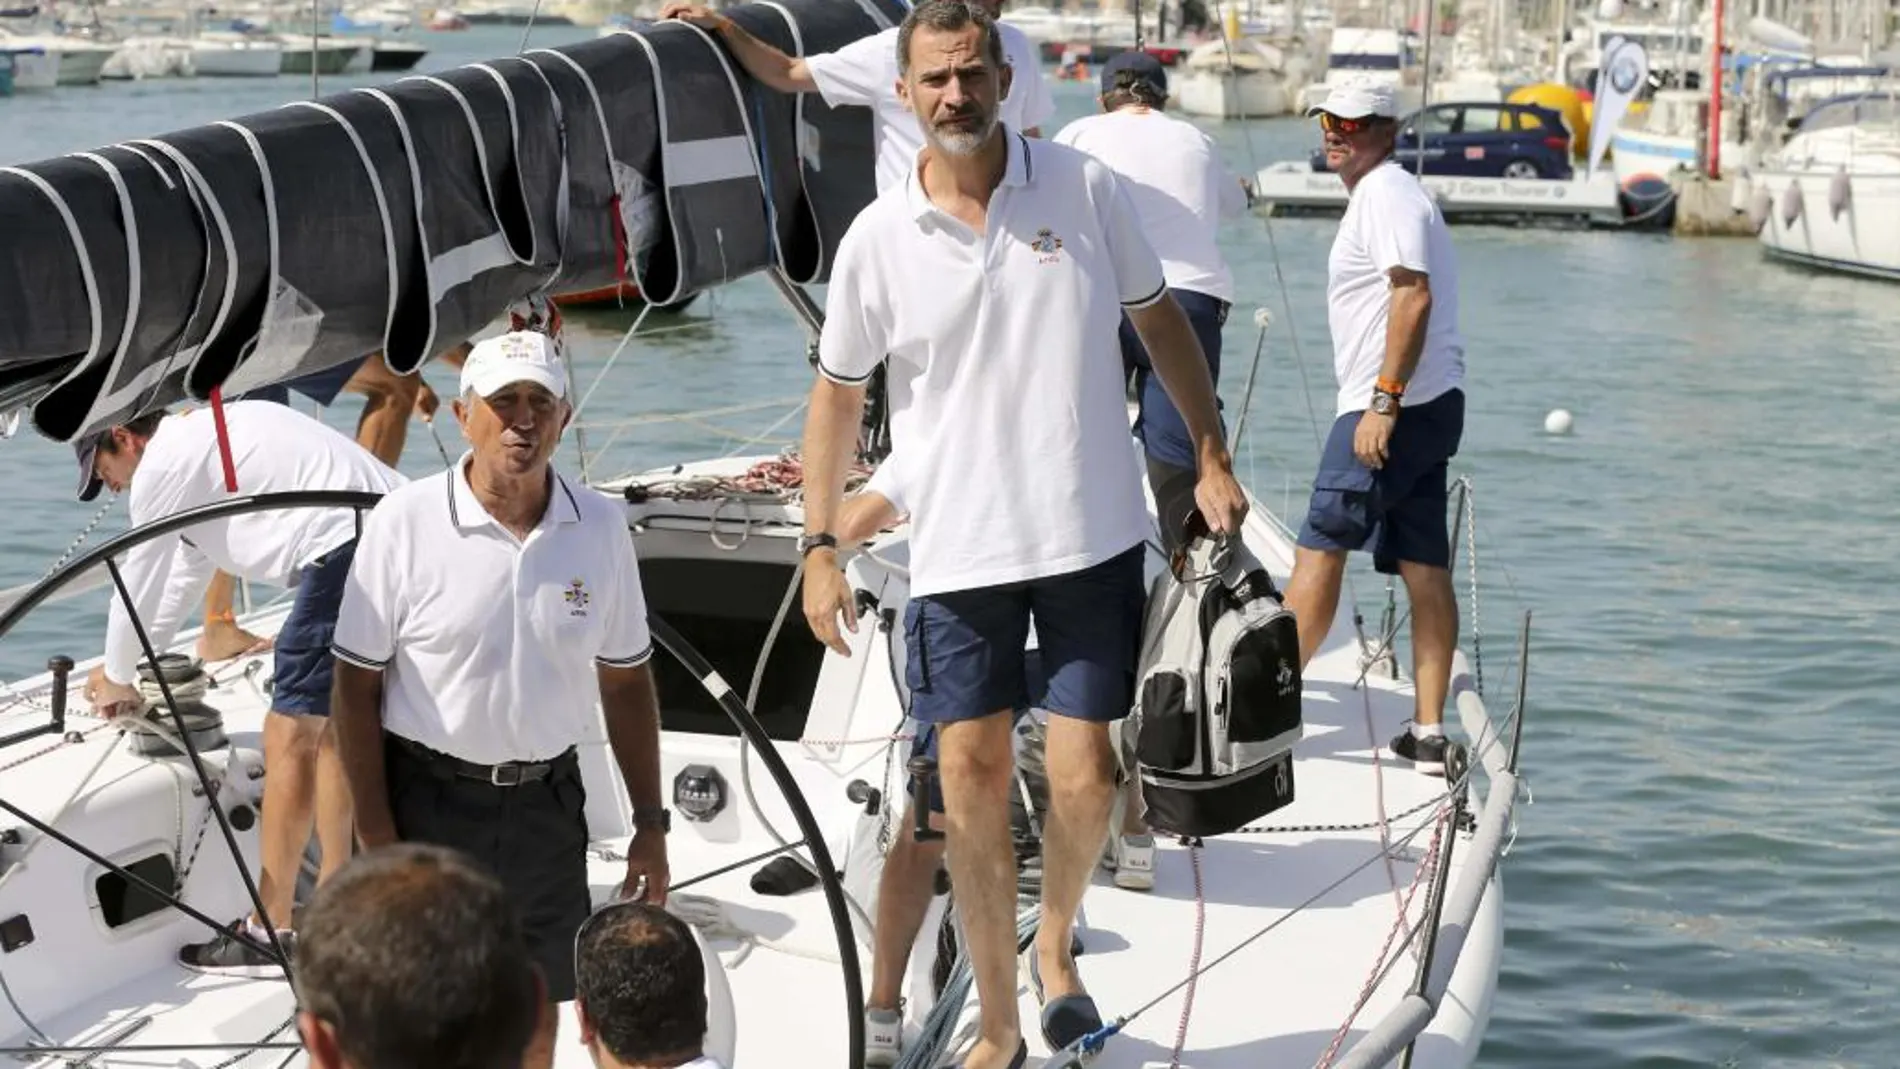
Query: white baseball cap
x=518 y=356
x=1360 y=98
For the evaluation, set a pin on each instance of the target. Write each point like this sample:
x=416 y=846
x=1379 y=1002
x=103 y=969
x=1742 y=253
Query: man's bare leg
x=223 y=639
x=336 y=824
x=904 y=891
x=1081 y=791
x=1312 y=595
x=290 y=782
x=976 y=763
x=1434 y=636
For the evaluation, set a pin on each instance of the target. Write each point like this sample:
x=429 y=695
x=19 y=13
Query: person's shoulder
x=593 y=506
x=412 y=500
x=1084 y=127
x=1390 y=183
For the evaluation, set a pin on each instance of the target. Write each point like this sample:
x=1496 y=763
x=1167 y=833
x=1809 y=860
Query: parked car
x=1482 y=141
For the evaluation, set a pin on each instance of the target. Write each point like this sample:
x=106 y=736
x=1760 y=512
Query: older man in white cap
x=1392 y=304
x=488 y=610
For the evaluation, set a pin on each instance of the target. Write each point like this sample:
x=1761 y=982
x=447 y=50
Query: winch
x=188 y=682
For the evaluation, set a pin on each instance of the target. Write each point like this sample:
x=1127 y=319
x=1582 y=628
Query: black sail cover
x=407 y=217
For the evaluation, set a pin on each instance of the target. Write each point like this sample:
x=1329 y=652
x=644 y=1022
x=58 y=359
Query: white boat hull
x=1863 y=238
x=35 y=70
x=1244 y=95
x=248 y=59
x=1637 y=154
x=1279 y=1000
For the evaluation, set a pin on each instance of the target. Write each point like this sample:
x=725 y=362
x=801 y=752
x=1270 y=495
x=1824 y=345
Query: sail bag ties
x=1217 y=703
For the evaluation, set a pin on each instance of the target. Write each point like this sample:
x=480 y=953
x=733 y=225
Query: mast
x=1715 y=89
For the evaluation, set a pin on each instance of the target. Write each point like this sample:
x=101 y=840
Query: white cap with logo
x=1359 y=98
x=518 y=356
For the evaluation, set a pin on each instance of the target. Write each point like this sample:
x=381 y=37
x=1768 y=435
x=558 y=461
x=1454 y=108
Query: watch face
x=1382 y=404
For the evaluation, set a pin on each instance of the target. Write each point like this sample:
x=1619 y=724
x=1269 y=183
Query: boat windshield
x=1859 y=109
x=1363 y=61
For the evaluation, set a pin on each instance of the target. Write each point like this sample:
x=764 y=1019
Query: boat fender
x=1791 y=204
x=1840 y=193
x=1742 y=193
x=1759 y=205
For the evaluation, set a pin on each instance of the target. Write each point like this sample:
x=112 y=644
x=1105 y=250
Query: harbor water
x=1704 y=876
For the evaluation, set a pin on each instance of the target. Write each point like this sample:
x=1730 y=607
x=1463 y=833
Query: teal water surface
x=1707 y=875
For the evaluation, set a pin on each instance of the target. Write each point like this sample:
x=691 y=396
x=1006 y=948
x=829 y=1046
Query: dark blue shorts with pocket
x=925 y=744
x=1399 y=510
x=1159 y=425
x=301 y=684
x=966 y=648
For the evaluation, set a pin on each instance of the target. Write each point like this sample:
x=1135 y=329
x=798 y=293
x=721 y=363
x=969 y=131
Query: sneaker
x=883 y=1038
x=1134 y=862
x=224 y=955
x=1427 y=755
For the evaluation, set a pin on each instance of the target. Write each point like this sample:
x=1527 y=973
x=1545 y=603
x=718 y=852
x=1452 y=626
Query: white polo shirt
x=1007 y=401
x=1180 y=188
x=487 y=643
x=1391 y=221
x=273 y=449
x=864 y=73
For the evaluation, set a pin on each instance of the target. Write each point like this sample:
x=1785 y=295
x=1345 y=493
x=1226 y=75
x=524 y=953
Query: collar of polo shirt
x=467 y=513
x=1017 y=171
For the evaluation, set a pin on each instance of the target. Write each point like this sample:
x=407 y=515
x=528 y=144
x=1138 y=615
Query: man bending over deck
x=1181 y=191
x=1392 y=302
x=171 y=463
x=491 y=610
x=414 y=957
x=864 y=74
x=994 y=276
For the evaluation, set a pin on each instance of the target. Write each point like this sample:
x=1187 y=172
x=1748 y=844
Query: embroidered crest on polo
x=1047 y=246
x=576 y=597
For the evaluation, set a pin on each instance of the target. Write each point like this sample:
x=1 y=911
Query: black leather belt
x=506 y=774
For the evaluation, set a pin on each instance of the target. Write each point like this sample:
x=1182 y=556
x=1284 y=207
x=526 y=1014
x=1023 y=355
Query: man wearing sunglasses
x=1392 y=305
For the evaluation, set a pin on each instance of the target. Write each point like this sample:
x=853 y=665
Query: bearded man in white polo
x=488 y=610
x=994 y=277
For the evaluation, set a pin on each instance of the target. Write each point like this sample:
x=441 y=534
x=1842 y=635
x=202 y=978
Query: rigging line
x=1123 y=1020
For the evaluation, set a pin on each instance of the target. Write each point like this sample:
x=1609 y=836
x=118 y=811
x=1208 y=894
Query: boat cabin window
x=725 y=609
x=1363 y=61
x=121 y=901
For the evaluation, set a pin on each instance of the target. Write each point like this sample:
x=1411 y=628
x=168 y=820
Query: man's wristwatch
x=1384 y=403
x=821 y=540
x=661 y=819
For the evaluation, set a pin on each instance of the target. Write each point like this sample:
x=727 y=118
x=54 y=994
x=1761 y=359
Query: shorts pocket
x=916 y=656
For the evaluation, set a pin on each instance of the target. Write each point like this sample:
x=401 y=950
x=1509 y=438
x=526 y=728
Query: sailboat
x=1358 y=925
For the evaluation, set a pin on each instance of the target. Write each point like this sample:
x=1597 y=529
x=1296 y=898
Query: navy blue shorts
x=966 y=647
x=1163 y=433
x=301 y=684
x=925 y=744
x=320 y=386
x=1398 y=510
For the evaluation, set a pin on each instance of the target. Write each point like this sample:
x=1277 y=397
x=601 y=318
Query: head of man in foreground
x=514 y=404
x=952 y=74
x=639 y=987
x=1358 y=124
x=412 y=956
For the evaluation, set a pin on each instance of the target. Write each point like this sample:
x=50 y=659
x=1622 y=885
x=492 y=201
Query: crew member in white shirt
x=172 y=463
x=640 y=990
x=864 y=74
x=993 y=277
x=1392 y=304
x=491 y=608
x=1181 y=191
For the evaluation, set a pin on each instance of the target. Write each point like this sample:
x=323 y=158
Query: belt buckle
x=508 y=775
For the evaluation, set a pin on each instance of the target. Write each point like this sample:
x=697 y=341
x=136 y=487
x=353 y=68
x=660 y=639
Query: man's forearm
x=356 y=715
x=831 y=426
x=1406 y=325
x=787 y=74
x=632 y=712
x=1176 y=355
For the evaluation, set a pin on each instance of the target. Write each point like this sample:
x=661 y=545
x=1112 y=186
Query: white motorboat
x=1830 y=198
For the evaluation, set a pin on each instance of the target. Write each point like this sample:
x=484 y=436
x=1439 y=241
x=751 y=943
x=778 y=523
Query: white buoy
x=1261 y=317
x=1558 y=421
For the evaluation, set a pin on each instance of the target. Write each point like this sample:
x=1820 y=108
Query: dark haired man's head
x=640 y=987
x=1134 y=78
x=109 y=457
x=952 y=73
x=411 y=956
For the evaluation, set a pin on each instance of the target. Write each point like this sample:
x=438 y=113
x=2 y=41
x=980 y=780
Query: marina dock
x=1285 y=189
